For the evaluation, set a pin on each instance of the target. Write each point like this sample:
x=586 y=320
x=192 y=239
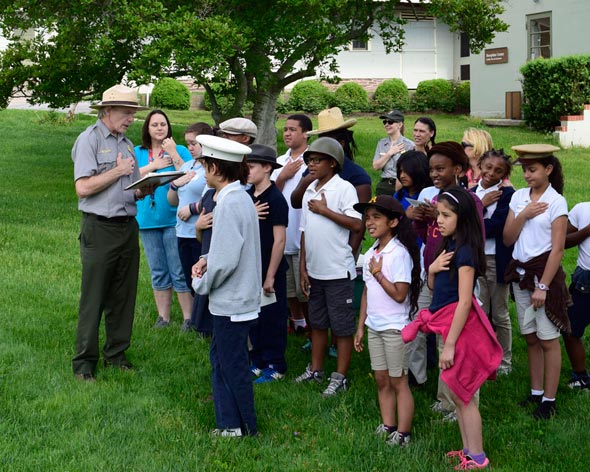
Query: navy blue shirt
x=446 y=283
x=278 y=215
x=207 y=204
x=351 y=172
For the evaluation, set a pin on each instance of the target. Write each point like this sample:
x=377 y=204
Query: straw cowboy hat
x=331 y=120
x=119 y=96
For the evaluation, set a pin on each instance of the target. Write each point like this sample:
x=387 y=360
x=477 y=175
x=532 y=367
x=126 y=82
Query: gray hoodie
x=234 y=273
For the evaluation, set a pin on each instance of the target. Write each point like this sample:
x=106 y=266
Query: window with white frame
x=359 y=45
x=539 y=35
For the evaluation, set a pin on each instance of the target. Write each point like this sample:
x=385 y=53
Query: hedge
x=436 y=94
x=351 y=98
x=553 y=88
x=391 y=94
x=309 y=96
x=171 y=94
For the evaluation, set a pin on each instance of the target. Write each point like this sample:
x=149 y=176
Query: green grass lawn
x=158 y=417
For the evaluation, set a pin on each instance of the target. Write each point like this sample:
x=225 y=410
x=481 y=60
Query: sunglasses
x=389 y=122
x=466 y=145
x=317 y=160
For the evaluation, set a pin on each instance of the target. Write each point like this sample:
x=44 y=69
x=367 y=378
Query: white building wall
x=489 y=83
x=428 y=53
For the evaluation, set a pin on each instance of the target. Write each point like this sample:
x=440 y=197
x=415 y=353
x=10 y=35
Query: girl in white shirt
x=536 y=225
x=392 y=277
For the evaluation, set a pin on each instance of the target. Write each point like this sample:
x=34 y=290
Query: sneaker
x=338 y=382
x=545 y=410
x=86 y=377
x=450 y=417
x=255 y=371
x=227 y=432
x=306 y=346
x=161 y=323
x=531 y=400
x=459 y=454
x=310 y=375
x=398 y=439
x=437 y=407
x=268 y=375
x=333 y=351
x=186 y=326
x=467 y=463
x=384 y=430
x=579 y=382
x=504 y=370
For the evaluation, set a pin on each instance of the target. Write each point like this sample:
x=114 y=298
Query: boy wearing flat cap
x=230 y=274
x=269 y=335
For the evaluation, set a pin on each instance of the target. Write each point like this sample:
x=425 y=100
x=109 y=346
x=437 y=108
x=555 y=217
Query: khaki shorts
x=540 y=324
x=293 y=278
x=388 y=352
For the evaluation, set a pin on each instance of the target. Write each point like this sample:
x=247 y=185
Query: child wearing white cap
x=230 y=273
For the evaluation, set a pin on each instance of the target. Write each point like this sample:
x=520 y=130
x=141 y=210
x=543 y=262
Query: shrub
x=223 y=96
x=553 y=88
x=282 y=105
x=391 y=94
x=462 y=96
x=351 y=98
x=436 y=94
x=171 y=94
x=309 y=96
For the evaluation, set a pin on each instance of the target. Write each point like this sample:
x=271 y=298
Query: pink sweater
x=477 y=352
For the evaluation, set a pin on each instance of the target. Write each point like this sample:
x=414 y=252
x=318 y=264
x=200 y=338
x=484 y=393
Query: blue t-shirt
x=446 y=283
x=278 y=215
x=190 y=193
x=401 y=196
x=154 y=211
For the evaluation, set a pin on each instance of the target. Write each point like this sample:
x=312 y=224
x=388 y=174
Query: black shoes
x=122 y=364
x=545 y=410
x=86 y=377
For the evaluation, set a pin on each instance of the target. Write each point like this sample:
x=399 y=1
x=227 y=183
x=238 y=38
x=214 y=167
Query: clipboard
x=156 y=178
x=416 y=203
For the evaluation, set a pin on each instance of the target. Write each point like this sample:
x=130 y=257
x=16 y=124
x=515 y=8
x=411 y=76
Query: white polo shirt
x=383 y=312
x=328 y=255
x=580 y=218
x=535 y=237
x=490 y=247
x=293 y=232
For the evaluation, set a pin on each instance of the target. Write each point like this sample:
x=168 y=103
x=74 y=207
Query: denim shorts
x=161 y=250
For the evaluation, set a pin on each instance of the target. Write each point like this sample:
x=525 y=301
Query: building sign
x=496 y=56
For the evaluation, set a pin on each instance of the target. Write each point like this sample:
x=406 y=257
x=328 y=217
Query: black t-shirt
x=446 y=283
x=278 y=215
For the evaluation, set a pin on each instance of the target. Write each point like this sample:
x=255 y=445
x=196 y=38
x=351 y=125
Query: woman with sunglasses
x=389 y=150
x=476 y=142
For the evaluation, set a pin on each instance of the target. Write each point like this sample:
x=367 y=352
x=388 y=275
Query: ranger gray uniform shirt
x=95 y=152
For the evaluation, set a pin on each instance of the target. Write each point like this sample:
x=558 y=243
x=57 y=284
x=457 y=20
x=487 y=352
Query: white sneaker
x=398 y=439
x=310 y=375
x=382 y=430
x=227 y=432
x=338 y=382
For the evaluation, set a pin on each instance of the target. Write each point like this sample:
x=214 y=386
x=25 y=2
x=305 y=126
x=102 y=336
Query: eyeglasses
x=466 y=145
x=317 y=160
x=388 y=122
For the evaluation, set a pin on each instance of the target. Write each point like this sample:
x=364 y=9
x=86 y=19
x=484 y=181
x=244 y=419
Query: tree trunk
x=265 y=115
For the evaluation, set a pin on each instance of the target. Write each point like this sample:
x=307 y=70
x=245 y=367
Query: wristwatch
x=542 y=287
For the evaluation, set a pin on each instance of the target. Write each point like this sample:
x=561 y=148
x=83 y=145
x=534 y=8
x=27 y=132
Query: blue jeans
x=161 y=250
x=233 y=393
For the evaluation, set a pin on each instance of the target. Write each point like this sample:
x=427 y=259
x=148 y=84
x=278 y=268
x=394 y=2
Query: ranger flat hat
x=119 y=96
x=331 y=120
x=263 y=154
x=533 y=151
x=239 y=126
x=222 y=149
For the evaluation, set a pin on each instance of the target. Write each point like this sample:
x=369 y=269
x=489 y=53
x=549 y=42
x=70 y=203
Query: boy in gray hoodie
x=231 y=275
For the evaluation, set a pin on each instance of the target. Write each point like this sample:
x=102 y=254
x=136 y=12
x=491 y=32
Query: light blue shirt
x=190 y=193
